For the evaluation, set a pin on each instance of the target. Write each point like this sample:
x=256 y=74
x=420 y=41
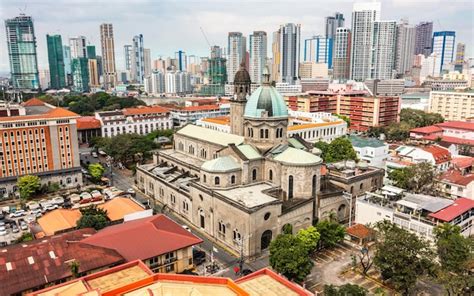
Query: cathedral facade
x=243 y=187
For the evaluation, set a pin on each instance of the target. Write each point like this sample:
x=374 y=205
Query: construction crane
x=205 y=37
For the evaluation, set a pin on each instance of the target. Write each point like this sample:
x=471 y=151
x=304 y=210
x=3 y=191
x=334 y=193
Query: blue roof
x=266 y=98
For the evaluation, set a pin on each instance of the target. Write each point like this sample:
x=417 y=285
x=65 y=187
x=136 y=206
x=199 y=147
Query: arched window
x=201 y=218
x=217 y=180
x=266 y=133
x=261 y=133
x=232 y=179
x=221 y=227
x=204 y=178
x=270 y=175
x=361 y=186
x=313 y=186
x=236 y=235
x=290 y=187
x=254 y=174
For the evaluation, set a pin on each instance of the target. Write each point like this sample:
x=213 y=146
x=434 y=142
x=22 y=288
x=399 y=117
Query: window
x=361 y=186
x=217 y=180
x=185 y=206
x=290 y=187
x=221 y=227
x=270 y=175
x=232 y=179
x=261 y=133
x=173 y=199
x=313 y=186
x=204 y=178
x=266 y=133
x=266 y=216
x=254 y=174
x=236 y=235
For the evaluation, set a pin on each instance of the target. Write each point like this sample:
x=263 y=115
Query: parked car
x=74 y=198
x=85 y=195
x=131 y=191
x=23 y=225
x=199 y=257
x=15 y=228
x=102 y=153
x=94 y=155
x=58 y=200
x=35 y=212
x=51 y=207
x=96 y=193
x=18 y=214
x=84 y=171
x=33 y=205
x=3 y=232
x=30 y=219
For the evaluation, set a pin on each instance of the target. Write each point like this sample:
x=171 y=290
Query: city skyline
x=188 y=17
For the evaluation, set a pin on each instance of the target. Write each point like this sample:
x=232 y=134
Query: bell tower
x=237 y=103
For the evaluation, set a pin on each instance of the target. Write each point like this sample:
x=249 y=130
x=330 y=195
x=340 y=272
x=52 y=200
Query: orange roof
x=33 y=102
x=427 y=129
x=462 y=162
x=87 y=122
x=144 y=110
x=51 y=114
x=463 y=125
x=312 y=125
x=59 y=220
x=118 y=207
x=359 y=231
x=440 y=155
x=455 y=177
x=224 y=120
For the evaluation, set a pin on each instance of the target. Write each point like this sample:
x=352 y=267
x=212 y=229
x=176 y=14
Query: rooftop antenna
x=22 y=11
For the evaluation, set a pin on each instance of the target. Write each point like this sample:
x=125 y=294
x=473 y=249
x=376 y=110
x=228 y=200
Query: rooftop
x=197 y=108
x=222 y=120
x=427 y=129
x=59 y=220
x=249 y=196
x=221 y=164
x=209 y=135
x=440 y=154
x=295 y=156
x=52 y=113
x=157 y=235
x=464 y=125
x=366 y=142
x=33 y=102
x=460 y=206
x=87 y=122
x=296 y=127
x=119 y=207
x=144 y=110
x=455 y=177
x=359 y=231
x=450 y=140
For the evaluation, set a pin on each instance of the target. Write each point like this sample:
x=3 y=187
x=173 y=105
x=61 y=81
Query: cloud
x=170 y=25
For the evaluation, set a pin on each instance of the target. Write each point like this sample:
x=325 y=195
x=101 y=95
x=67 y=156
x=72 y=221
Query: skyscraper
x=443 y=47
x=405 y=47
x=275 y=66
x=290 y=35
x=459 y=63
x=138 y=59
x=423 y=35
x=384 y=44
x=78 y=47
x=108 y=55
x=319 y=49
x=258 y=55
x=93 y=69
x=127 y=53
x=332 y=23
x=364 y=15
x=21 y=42
x=56 y=61
x=236 y=50
x=80 y=74
x=67 y=64
x=91 y=53
x=342 y=54
x=147 y=61
x=180 y=56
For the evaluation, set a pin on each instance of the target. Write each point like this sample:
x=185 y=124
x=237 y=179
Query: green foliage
x=345 y=118
x=289 y=256
x=344 y=290
x=49 y=100
x=126 y=147
x=309 y=237
x=287 y=229
x=87 y=105
x=339 y=149
x=418 y=178
x=74 y=266
x=454 y=250
x=160 y=133
x=28 y=186
x=93 y=217
x=330 y=233
x=401 y=256
x=25 y=237
x=96 y=170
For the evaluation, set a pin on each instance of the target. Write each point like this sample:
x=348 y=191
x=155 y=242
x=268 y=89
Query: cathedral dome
x=242 y=76
x=266 y=101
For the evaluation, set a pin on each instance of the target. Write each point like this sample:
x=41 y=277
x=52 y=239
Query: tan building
x=239 y=189
x=313 y=70
x=40 y=139
x=453 y=105
x=108 y=55
x=93 y=73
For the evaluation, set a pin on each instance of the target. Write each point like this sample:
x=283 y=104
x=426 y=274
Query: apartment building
x=452 y=105
x=39 y=139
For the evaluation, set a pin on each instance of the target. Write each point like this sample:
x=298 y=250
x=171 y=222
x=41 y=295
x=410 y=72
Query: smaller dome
x=242 y=76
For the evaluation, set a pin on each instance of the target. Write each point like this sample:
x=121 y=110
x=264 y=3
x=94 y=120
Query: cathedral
x=241 y=188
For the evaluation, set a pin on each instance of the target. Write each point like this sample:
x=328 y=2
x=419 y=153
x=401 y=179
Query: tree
x=93 y=217
x=345 y=118
x=309 y=237
x=330 y=233
x=418 y=118
x=401 y=256
x=289 y=256
x=418 y=178
x=344 y=290
x=25 y=237
x=126 y=147
x=454 y=250
x=287 y=229
x=339 y=149
x=74 y=267
x=28 y=185
x=96 y=170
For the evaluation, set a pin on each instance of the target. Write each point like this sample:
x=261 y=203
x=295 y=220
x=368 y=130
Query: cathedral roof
x=293 y=156
x=242 y=76
x=209 y=135
x=249 y=151
x=266 y=99
x=221 y=164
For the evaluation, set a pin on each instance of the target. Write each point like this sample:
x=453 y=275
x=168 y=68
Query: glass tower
x=56 y=61
x=21 y=42
x=80 y=74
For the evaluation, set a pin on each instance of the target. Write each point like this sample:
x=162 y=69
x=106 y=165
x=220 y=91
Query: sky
x=170 y=25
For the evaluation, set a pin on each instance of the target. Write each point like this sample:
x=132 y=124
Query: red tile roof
x=51 y=114
x=144 y=238
x=463 y=125
x=455 y=177
x=359 y=231
x=450 y=140
x=87 y=122
x=462 y=162
x=40 y=262
x=459 y=207
x=427 y=129
x=144 y=110
x=440 y=154
x=33 y=102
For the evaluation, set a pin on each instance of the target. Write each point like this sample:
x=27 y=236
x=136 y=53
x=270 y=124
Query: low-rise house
x=458 y=181
x=404 y=156
x=371 y=150
x=163 y=245
x=37 y=264
x=459 y=133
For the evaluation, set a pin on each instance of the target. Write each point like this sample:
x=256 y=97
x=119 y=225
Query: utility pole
x=110 y=170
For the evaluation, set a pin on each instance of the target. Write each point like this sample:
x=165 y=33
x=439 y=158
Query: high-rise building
x=78 y=47
x=93 y=69
x=258 y=55
x=147 y=61
x=21 y=43
x=80 y=74
x=452 y=104
x=108 y=55
x=138 y=59
x=290 y=36
x=423 y=35
x=332 y=23
x=44 y=78
x=236 y=50
x=180 y=56
x=56 y=61
x=443 y=47
x=127 y=53
x=67 y=64
x=275 y=65
x=383 y=55
x=364 y=15
x=310 y=70
x=460 y=51
x=157 y=82
x=319 y=49
x=177 y=82
x=342 y=54
x=91 y=53
x=405 y=47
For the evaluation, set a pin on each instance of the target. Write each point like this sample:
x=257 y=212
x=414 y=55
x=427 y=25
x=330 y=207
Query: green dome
x=266 y=98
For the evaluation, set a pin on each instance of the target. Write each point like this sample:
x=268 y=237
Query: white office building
x=138 y=59
x=236 y=51
x=177 y=83
x=383 y=54
x=405 y=47
x=258 y=55
x=78 y=47
x=289 y=50
x=155 y=83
